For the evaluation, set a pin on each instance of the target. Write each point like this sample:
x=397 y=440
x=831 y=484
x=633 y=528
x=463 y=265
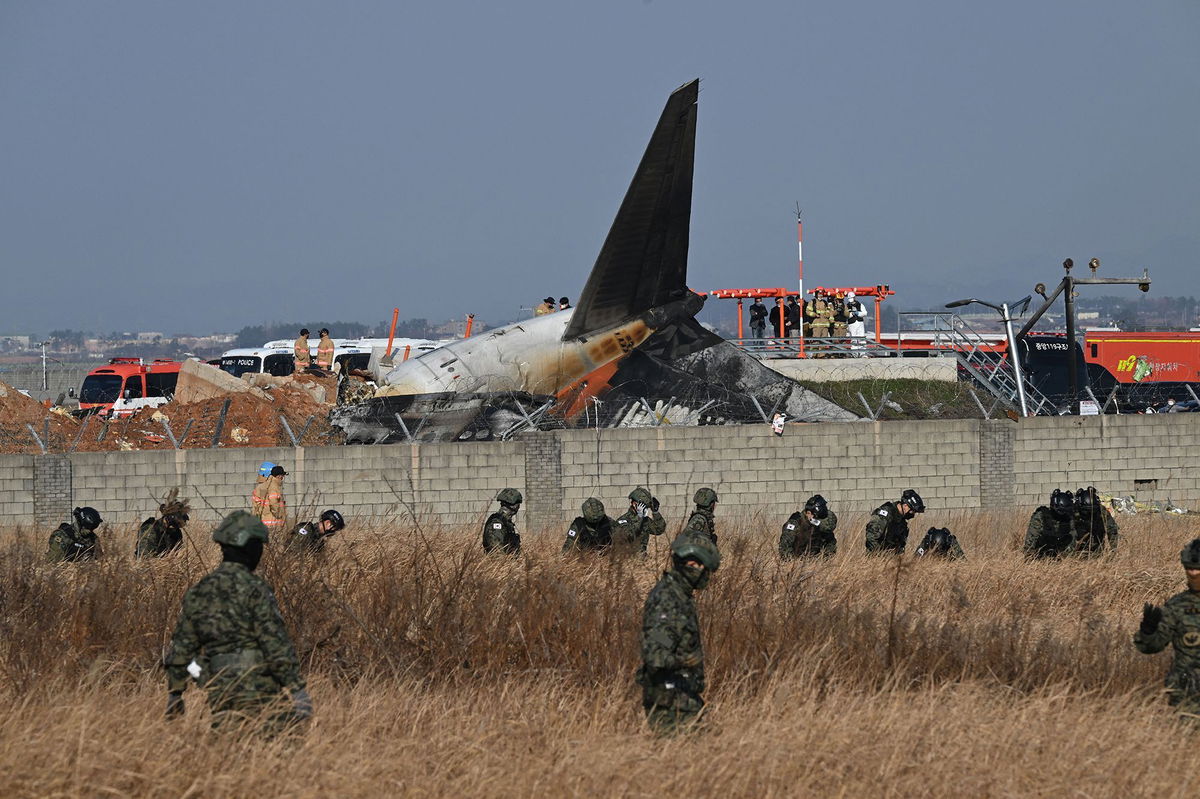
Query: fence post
x=216 y=438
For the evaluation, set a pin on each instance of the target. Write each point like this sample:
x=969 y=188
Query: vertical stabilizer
x=643 y=262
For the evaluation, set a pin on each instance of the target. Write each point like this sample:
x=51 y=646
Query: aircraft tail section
x=643 y=262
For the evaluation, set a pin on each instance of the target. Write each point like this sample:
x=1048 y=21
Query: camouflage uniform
x=231 y=627
x=1048 y=536
x=585 y=536
x=887 y=529
x=156 y=537
x=70 y=542
x=804 y=537
x=953 y=551
x=634 y=531
x=672 y=670
x=307 y=537
x=500 y=533
x=1092 y=527
x=1177 y=623
x=702 y=521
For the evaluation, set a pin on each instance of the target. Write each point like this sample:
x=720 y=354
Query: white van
x=275 y=357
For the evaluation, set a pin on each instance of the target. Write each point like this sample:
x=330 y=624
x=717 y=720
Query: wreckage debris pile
x=252 y=420
x=18 y=410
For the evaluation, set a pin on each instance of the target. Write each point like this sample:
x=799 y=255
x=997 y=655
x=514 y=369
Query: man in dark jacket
x=76 y=541
x=1051 y=530
x=500 y=531
x=591 y=532
x=312 y=536
x=887 y=529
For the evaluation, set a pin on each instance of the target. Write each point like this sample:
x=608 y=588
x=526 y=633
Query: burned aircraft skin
x=632 y=336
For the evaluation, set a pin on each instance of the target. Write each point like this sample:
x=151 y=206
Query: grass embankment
x=915 y=399
x=438 y=672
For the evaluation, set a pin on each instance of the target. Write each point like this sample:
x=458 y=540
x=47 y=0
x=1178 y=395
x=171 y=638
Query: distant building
x=8 y=343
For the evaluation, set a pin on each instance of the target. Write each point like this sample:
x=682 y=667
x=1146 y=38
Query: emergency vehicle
x=275 y=357
x=125 y=384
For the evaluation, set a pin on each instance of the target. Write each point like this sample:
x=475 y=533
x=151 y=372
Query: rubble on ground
x=252 y=419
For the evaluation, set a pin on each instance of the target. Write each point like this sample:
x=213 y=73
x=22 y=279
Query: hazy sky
x=190 y=167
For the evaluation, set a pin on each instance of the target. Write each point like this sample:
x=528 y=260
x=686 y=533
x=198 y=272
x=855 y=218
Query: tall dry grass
x=437 y=671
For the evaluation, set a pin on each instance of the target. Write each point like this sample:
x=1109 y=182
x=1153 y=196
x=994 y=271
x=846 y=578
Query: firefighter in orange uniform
x=272 y=509
x=258 y=497
x=300 y=352
x=325 y=351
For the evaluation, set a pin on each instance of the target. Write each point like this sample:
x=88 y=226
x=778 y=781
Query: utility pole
x=45 y=385
x=1066 y=287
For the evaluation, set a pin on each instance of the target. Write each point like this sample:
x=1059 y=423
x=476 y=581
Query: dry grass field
x=436 y=671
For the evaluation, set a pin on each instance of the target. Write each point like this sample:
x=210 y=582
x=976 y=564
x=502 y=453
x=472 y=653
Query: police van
x=275 y=357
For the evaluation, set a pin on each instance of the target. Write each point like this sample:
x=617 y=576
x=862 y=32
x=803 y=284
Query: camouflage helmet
x=510 y=496
x=593 y=510
x=1190 y=556
x=697 y=547
x=641 y=495
x=238 y=529
x=705 y=497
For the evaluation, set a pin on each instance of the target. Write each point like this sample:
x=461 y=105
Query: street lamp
x=1014 y=355
x=44 y=376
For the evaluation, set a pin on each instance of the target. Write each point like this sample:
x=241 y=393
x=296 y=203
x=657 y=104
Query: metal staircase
x=990 y=369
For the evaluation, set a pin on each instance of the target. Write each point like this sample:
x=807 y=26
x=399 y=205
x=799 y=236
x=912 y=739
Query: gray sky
x=190 y=167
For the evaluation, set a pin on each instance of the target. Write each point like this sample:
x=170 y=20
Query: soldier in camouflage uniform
x=158 y=536
x=642 y=520
x=672 y=671
x=312 y=537
x=499 y=531
x=1051 y=530
x=1093 y=523
x=887 y=529
x=76 y=541
x=1178 y=623
x=701 y=521
x=231 y=639
x=591 y=532
x=940 y=543
x=809 y=532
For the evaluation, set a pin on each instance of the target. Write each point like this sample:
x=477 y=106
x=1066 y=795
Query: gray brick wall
x=954 y=464
x=543 y=480
x=51 y=489
x=997 y=480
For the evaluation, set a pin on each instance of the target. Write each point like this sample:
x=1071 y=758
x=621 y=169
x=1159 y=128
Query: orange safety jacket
x=274 y=508
x=301 y=352
x=325 y=353
x=258 y=497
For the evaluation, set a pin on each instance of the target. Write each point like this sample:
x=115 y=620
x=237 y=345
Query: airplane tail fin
x=643 y=262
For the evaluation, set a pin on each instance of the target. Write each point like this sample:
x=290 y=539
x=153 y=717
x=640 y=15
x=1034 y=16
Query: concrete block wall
x=953 y=464
x=856 y=465
x=16 y=488
x=1152 y=457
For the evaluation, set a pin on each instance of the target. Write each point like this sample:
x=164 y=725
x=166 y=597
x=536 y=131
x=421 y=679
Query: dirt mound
x=17 y=410
x=253 y=419
x=250 y=421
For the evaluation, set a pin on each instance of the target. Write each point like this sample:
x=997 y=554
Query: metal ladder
x=991 y=370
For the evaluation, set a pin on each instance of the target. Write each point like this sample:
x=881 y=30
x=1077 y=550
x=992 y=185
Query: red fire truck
x=126 y=384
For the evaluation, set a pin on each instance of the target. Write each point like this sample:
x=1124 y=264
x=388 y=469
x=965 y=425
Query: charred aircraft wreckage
x=630 y=353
